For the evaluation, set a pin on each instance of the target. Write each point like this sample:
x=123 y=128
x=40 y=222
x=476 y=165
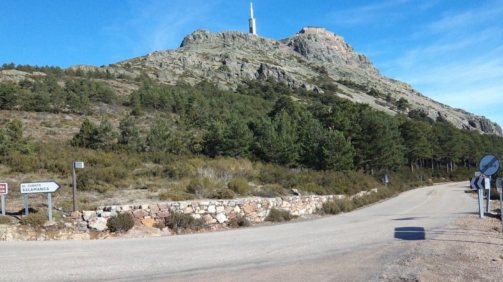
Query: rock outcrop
x=313 y=55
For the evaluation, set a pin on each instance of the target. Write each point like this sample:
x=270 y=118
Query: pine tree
x=338 y=153
x=237 y=138
x=130 y=134
x=416 y=141
x=87 y=135
x=106 y=135
x=159 y=136
x=214 y=139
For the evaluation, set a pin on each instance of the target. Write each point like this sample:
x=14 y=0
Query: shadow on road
x=410 y=233
x=407 y=218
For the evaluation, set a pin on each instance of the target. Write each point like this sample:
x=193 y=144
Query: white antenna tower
x=251 y=21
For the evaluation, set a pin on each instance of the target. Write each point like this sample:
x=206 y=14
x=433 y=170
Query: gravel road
x=400 y=239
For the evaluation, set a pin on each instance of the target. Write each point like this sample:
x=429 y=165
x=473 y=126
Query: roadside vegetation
x=182 y=142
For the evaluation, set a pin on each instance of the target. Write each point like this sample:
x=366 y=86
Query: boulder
x=98 y=223
x=221 y=218
x=87 y=215
x=148 y=222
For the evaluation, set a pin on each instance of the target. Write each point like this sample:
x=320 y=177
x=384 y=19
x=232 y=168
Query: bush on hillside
x=178 y=220
x=239 y=185
x=121 y=222
x=268 y=191
x=223 y=194
x=239 y=221
x=175 y=196
x=35 y=219
x=5 y=219
x=276 y=215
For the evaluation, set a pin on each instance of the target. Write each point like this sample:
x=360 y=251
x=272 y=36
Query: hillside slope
x=314 y=59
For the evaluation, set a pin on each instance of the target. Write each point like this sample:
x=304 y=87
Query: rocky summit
x=314 y=59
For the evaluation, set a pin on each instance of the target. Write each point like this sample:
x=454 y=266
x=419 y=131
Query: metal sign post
x=39 y=187
x=499 y=187
x=385 y=179
x=481 y=203
x=488 y=194
x=480 y=183
x=421 y=177
x=488 y=166
x=3 y=204
x=49 y=205
x=4 y=189
x=26 y=210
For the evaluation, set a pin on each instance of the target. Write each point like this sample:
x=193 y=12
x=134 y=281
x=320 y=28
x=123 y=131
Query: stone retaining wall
x=212 y=211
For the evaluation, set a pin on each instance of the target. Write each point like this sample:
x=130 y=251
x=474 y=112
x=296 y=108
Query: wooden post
x=74 y=187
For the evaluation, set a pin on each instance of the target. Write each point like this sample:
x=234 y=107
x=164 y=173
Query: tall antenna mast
x=251 y=21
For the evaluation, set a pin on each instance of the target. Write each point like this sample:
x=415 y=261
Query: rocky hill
x=313 y=59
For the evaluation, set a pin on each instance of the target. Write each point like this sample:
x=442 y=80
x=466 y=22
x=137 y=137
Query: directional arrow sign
x=39 y=187
x=479 y=183
x=489 y=165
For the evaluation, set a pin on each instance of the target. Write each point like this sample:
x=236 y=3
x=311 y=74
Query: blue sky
x=450 y=50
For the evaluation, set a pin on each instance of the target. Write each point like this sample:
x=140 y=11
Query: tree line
x=269 y=122
x=261 y=120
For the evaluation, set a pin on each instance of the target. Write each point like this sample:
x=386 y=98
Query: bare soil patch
x=469 y=249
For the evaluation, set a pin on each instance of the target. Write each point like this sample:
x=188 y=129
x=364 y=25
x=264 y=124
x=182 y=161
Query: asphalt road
x=355 y=246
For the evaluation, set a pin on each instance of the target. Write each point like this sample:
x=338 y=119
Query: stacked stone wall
x=212 y=211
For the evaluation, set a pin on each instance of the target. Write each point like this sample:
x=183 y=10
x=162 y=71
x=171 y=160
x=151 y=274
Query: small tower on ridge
x=251 y=21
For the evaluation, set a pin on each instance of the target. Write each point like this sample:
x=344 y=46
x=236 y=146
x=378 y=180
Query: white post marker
x=4 y=189
x=499 y=187
x=488 y=166
x=39 y=187
x=481 y=203
x=480 y=184
x=488 y=194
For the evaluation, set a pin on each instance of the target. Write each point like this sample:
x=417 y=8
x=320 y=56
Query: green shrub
x=239 y=221
x=239 y=185
x=331 y=207
x=121 y=222
x=223 y=194
x=345 y=205
x=177 y=220
x=22 y=163
x=175 y=196
x=313 y=188
x=180 y=169
x=275 y=174
x=5 y=219
x=269 y=191
x=195 y=186
x=159 y=225
x=34 y=219
x=276 y=215
x=203 y=186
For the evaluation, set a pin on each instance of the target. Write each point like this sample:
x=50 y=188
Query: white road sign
x=4 y=188
x=489 y=165
x=39 y=187
x=480 y=183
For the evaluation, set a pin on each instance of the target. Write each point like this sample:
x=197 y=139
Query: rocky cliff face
x=307 y=59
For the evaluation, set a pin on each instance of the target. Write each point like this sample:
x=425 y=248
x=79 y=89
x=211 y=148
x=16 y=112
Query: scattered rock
x=98 y=223
x=148 y=222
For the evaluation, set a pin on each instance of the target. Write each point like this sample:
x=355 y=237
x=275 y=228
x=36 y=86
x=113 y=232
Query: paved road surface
x=349 y=247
